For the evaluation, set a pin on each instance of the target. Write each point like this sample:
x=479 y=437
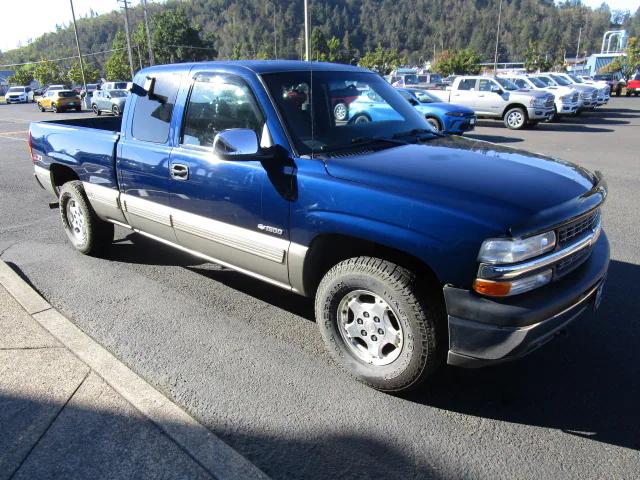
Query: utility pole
x=306 y=30
x=127 y=34
x=495 y=58
x=578 y=51
x=75 y=29
x=275 y=35
x=152 y=60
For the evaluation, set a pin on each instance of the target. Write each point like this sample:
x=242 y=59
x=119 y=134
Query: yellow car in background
x=60 y=100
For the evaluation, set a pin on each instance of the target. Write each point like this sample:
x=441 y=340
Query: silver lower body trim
x=44 y=178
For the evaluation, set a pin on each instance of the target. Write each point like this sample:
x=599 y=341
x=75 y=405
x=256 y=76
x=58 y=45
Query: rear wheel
x=95 y=109
x=115 y=110
x=378 y=323
x=515 y=118
x=87 y=233
x=55 y=108
x=340 y=111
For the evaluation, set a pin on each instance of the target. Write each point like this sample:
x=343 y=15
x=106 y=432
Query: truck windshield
x=537 y=82
x=576 y=79
x=560 y=80
x=506 y=84
x=330 y=110
x=411 y=80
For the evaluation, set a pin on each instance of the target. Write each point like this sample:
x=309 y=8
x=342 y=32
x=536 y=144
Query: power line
x=64 y=58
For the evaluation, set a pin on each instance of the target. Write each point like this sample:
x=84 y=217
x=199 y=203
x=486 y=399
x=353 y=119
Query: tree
x=629 y=63
x=175 y=40
x=335 y=51
x=319 y=46
x=117 y=66
x=382 y=60
x=22 y=75
x=535 y=61
x=47 y=72
x=91 y=73
x=461 y=62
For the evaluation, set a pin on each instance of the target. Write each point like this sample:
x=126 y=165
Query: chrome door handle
x=179 y=171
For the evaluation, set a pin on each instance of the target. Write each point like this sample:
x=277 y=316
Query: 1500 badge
x=267 y=228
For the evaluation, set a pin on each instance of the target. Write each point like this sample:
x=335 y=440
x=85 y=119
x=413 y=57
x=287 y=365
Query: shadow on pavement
x=587 y=384
x=494 y=138
x=115 y=441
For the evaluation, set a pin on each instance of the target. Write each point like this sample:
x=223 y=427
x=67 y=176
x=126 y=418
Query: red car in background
x=341 y=98
x=633 y=85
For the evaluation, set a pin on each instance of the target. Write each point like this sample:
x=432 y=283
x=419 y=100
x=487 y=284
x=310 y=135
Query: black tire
x=628 y=93
x=341 y=111
x=435 y=123
x=115 y=110
x=360 y=118
x=94 y=234
x=96 y=110
x=419 y=315
x=55 y=108
x=516 y=118
x=42 y=109
x=78 y=109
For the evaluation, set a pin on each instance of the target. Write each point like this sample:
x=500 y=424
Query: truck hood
x=494 y=185
x=527 y=93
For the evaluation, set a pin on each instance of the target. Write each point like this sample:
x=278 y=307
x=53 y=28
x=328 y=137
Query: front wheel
x=515 y=118
x=435 y=123
x=95 y=109
x=115 y=110
x=55 y=108
x=378 y=323
x=87 y=233
x=361 y=118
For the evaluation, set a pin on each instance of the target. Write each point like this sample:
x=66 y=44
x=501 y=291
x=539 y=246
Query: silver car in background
x=111 y=101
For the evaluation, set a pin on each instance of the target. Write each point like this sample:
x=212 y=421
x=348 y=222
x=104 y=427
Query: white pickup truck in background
x=567 y=99
x=492 y=97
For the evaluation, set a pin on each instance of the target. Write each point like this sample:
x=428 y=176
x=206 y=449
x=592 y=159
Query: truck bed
x=86 y=145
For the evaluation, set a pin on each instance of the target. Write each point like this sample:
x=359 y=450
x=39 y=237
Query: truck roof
x=263 y=66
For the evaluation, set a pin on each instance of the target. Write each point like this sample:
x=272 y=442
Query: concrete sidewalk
x=69 y=409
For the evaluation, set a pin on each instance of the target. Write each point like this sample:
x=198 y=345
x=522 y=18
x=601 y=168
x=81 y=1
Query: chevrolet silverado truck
x=495 y=97
x=418 y=249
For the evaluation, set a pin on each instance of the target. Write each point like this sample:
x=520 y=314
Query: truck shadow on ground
x=89 y=441
x=561 y=126
x=587 y=384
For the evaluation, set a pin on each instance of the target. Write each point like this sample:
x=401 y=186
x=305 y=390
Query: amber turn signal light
x=491 y=288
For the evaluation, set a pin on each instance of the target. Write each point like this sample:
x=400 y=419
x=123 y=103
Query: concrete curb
x=214 y=455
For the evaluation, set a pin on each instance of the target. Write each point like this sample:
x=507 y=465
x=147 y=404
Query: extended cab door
x=234 y=211
x=143 y=157
x=464 y=92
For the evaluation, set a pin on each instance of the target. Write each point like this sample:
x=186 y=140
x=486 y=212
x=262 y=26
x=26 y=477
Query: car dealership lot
x=246 y=358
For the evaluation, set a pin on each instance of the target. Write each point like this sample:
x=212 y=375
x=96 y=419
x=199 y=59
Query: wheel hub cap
x=515 y=119
x=370 y=327
x=75 y=219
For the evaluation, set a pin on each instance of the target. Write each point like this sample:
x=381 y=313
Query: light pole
x=152 y=60
x=495 y=57
x=575 y=65
x=306 y=30
x=75 y=29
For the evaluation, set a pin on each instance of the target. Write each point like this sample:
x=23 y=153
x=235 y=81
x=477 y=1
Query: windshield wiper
x=419 y=133
x=357 y=141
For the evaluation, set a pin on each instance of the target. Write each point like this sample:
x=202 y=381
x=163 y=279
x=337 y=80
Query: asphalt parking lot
x=246 y=359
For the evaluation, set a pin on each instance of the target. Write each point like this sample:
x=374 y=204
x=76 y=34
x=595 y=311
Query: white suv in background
x=566 y=99
x=19 y=95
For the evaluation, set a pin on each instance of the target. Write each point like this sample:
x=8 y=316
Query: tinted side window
x=485 y=85
x=217 y=103
x=468 y=84
x=152 y=116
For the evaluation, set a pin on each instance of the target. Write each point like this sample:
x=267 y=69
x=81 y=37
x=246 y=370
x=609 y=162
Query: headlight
x=538 y=102
x=455 y=114
x=512 y=250
x=566 y=98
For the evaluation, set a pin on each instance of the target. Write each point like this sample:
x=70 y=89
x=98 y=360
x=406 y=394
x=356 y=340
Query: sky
x=45 y=14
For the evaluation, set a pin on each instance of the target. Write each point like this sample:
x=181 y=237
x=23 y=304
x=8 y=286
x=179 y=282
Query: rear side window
x=152 y=116
x=468 y=84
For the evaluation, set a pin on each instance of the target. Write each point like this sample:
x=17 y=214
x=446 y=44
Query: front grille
x=575 y=97
x=572 y=262
x=594 y=95
x=578 y=229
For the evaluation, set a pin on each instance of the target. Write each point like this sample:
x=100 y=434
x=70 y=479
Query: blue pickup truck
x=419 y=249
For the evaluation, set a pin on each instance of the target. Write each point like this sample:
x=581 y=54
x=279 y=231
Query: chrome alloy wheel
x=370 y=328
x=75 y=220
x=515 y=119
x=340 y=111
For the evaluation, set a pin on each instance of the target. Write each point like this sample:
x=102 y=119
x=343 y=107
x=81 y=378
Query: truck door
x=236 y=212
x=487 y=102
x=143 y=157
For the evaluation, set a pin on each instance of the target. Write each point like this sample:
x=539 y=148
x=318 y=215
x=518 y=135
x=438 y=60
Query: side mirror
x=496 y=89
x=237 y=144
